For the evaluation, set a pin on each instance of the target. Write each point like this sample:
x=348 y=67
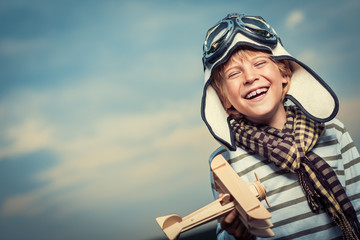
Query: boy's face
x=254 y=86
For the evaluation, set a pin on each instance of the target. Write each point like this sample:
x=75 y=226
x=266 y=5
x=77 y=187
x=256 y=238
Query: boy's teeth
x=256 y=92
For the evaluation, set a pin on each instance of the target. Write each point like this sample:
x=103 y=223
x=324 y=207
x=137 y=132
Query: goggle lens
x=256 y=25
x=216 y=36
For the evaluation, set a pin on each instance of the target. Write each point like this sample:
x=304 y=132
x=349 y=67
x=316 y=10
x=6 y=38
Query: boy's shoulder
x=335 y=127
x=220 y=150
x=228 y=154
x=334 y=122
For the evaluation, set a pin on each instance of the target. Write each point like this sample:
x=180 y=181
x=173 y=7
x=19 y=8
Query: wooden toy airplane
x=245 y=198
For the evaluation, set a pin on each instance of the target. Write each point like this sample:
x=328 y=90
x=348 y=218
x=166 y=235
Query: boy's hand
x=232 y=224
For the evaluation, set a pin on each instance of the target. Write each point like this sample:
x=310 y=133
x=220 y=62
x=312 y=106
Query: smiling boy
x=247 y=79
x=248 y=74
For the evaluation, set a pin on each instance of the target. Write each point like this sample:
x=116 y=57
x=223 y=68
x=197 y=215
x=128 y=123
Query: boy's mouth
x=256 y=93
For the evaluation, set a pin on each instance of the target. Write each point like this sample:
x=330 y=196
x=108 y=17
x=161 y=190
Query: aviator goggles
x=219 y=37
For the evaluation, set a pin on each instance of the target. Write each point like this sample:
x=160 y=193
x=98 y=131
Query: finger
x=242 y=232
x=228 y=219
x=236 y=224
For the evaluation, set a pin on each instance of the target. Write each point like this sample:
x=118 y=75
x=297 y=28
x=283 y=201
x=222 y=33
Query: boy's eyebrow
x=261 y=56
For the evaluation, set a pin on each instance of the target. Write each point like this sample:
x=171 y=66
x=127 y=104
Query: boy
x=248 y=74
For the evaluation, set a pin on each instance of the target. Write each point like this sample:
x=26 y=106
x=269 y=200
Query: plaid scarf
x=290 y=149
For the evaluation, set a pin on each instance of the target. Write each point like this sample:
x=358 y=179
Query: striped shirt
x=291 y=215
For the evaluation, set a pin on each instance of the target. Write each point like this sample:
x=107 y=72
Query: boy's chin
x=267 y=116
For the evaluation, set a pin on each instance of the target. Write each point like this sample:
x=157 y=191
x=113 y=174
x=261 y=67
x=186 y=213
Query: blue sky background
x=100 y=106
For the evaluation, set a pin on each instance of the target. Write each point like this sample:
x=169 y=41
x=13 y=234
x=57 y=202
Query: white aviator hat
x=307 y=90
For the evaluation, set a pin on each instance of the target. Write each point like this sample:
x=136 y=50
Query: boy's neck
x=277 y=120
x=278 y=123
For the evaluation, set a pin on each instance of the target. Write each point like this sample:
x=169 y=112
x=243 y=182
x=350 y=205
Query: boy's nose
x=250 y=76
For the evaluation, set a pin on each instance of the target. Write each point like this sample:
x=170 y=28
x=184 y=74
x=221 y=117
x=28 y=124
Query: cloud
x=128 y=149
x=86 y=175
x=104 y=127
x=294 y=19
x=311 y=58
x=29 y=136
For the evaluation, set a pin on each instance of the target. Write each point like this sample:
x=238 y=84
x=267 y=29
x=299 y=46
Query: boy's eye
x=260 y=63
x=233 y=74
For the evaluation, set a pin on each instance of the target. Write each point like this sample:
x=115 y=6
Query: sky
x=100 y=107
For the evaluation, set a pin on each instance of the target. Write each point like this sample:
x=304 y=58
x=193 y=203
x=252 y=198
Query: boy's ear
x=227 y=104
x=224 y=98
x=285 y=79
